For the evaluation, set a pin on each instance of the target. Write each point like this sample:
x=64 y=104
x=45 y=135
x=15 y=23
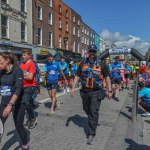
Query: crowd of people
x=20 y=85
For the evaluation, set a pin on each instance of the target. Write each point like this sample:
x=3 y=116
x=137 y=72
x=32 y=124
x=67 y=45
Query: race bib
x=52 y=72
x=5 y=91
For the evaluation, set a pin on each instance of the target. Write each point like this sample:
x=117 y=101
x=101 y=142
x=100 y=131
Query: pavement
x=67 y=128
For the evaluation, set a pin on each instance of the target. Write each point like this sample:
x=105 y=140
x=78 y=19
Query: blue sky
x=123 y=16
x=128 y=18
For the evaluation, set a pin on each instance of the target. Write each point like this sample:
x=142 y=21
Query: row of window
x=23 y=4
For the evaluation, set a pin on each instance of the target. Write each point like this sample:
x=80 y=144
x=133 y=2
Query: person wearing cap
x=52 y=69
x=115 y=68
x=64 y=69
x=91 y=72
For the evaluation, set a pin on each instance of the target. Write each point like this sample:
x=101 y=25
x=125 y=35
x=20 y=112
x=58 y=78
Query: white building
x=15 y=25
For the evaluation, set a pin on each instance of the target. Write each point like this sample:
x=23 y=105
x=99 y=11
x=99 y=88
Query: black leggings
x=18 y=116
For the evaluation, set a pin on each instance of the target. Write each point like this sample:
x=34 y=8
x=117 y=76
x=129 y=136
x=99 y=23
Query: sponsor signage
x=44 y=52
x=119 y=51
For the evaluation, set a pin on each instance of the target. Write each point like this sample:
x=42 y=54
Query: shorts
x=61 y=79
x=144 y=76
x=127 y=76
x=116 y=81
x=27 y=98
x=52 y=85
x=145 y=106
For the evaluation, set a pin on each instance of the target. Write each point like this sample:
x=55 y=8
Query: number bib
x=5 y=91
x=52 y=72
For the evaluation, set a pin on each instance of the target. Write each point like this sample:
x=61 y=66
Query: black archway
x=131 y=51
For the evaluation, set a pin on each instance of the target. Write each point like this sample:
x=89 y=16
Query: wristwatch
x=109 y=91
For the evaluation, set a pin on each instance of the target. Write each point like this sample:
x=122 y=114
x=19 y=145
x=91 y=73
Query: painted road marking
x=58 y=95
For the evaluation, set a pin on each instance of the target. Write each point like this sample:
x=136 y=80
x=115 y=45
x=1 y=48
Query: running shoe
x=25 y=148
x=51 y=112
x=68 y=90
x=146 y=114
x=90 y=140
x=116 y=99
x=32 y=123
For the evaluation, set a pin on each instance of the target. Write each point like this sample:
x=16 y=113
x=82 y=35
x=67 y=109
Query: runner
x=52 y=69
x=29 y=70
x=11 y=81
x=116 y=77
x=64 y=68
x=127 y=75
x=73 y=70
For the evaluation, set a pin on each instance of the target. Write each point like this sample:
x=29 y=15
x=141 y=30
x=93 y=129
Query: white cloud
x=129 y=41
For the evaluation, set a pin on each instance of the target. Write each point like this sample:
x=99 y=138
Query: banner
x=119 y=51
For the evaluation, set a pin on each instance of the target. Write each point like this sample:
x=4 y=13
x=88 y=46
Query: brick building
x=62 y=25
x=76 y=32
x=42 y=27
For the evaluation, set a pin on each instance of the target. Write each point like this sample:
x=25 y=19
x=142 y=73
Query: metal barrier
x=135 y=99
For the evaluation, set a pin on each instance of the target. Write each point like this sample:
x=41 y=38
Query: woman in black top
x=11 y=82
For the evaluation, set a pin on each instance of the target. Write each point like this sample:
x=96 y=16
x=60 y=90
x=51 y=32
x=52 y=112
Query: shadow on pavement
x=132 y=145
x=48 y=104
x=125 y=115
x=14 y=139
x=147 y=121
x=79 y=121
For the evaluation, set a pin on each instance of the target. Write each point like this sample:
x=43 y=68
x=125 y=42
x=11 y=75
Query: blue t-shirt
x=64 y=66
x=109 y=68
x=116 y=73
x=127 y=69
x=73 y=70
x=145 y=95
x=52 y=69
x=37 y=72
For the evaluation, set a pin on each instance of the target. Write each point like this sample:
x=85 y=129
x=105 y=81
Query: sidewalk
x=67 y=128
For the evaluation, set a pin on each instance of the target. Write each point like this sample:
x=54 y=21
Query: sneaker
x=51 y=112
x=25 y=148
x=90 y=140
x=32 y=123
x=64 y=91
x=68 y=90
x=116 y=99
x=146 y=114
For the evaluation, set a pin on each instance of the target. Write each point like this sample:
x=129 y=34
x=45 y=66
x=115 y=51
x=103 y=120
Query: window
x=59 y=42
x=78 y=22
x=23 y=5
x=85 y=41
x=67 y=14
x=59 y=9
x=67 y=27
x=74 y=31
x=50 y=3
x=23 y=32
x=91 y=35
x=74 y=19
x=82 y=29
x=78 y=47
x=59 y=23
x=39 y=36
x=4 y=26
x=78 y=33
x=4 y=1
x=39 y=12
x=85 y=31
x=66 y=43
x=50 y=21
x=74 y=46
x=50 y=39
x=82 y=39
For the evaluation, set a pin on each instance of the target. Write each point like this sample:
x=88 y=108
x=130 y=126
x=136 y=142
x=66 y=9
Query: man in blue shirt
x=52 y=69
x=144 y=99
x=64 y=69
x=115 y=68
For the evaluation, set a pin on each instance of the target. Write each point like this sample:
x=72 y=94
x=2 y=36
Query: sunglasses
x=92 y=51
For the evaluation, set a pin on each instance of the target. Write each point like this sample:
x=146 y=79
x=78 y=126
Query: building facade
x=16 y=26
x=62 y=26
x=75 y=32
x=43 y=25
